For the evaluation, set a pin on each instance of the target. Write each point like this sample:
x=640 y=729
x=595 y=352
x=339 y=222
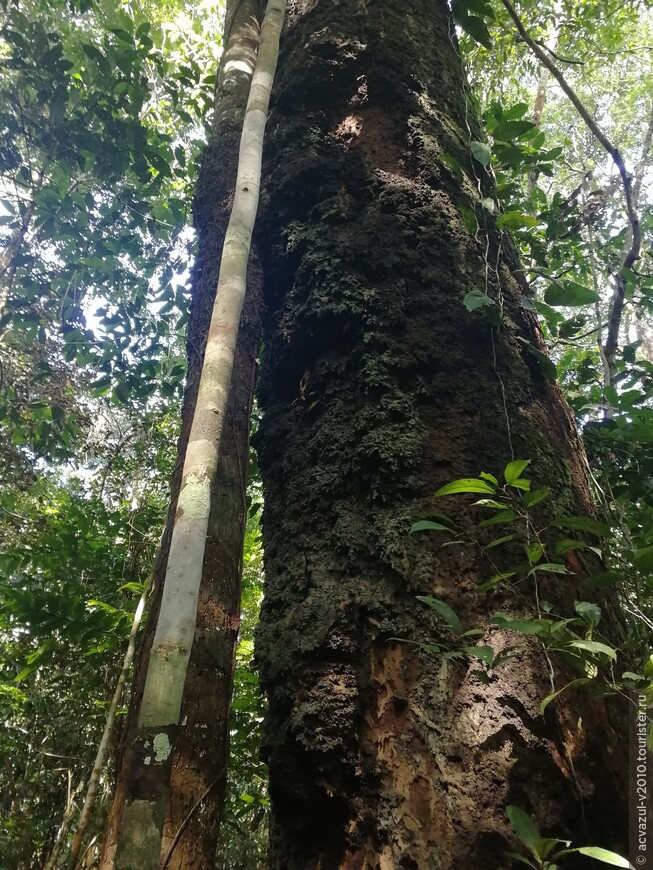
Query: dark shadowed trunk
x=378 y=387
x=199 y=764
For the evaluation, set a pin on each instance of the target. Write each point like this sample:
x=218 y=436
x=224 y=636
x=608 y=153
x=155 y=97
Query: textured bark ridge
x=200 y=759
x=378 y=387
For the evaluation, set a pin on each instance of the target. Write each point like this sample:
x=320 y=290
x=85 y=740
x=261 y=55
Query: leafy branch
x=633 y=253
x=545 y=852
x=575 y=638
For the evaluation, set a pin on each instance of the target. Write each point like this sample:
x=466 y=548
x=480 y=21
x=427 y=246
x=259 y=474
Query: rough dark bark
x=378 y=387
x=199 y=763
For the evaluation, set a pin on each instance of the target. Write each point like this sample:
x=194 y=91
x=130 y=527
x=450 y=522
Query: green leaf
x=545 y=362
x=487 y=476
x=494 y=581
x=469 y=219
x=581 y=681
x=500 y=519
x=96 y=55
x=629 y=675
x=481 y=152
x=101 y=386
x=583 y=524
x=644 y=559
x=462 y=8
x=568 y=545
x=522 y=860
x=518 y=110
x=550 y=568
x=490 y=502
x=509 y=130
x=594 y=646
x=534 y=552
x=477 y=29
x=602 y=580
x=466 y=484
x=122 y=34
x=484 y=653
x=477 y=299
x=499 y=541
x=569 y=293
x=247 y=798
x=536 y=497
x=588 y=611
x=600 y=855
x=452 y=164
x=428 y=525
x=132 y=586
x=121 y=393
x=523 y=626
x=449 y=615
x=547 y=844
x=524 y=827
x=515 y=220
x=648 y=667
x=552 y=317
x=514 y=469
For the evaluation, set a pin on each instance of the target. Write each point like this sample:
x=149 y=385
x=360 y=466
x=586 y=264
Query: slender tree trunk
x=540 y=96
x=200 y=758
x=9 y=256
x=616 y=309
x=109 y=726
x=378 y=387
x=66 y=823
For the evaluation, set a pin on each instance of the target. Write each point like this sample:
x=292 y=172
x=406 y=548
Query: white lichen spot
x=239 y=66
x=147 y=759
x=195 y=497
x=161 y=747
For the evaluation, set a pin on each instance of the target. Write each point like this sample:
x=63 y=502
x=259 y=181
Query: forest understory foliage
x=104 y=111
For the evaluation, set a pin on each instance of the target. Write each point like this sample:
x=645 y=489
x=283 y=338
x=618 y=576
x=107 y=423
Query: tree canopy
x=104 y=110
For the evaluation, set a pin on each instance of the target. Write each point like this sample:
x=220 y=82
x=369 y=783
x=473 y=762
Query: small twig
x=557 y=56
x=630 y=256
x=191 y=813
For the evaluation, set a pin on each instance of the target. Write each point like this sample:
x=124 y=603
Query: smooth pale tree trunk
x=199 y=767
x=201 y=755
x=139 y=838
x=378 y=386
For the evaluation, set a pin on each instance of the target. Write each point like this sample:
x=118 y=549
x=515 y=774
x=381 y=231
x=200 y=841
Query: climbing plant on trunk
x=380 y=384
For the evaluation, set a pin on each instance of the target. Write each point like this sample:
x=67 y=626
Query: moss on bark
x=378 y=387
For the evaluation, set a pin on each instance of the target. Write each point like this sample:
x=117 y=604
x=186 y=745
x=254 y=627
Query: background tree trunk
x=378 y=387
x=200 y=759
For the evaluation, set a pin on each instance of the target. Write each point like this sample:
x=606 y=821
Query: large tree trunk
x=378 y=387
x=199 y=764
